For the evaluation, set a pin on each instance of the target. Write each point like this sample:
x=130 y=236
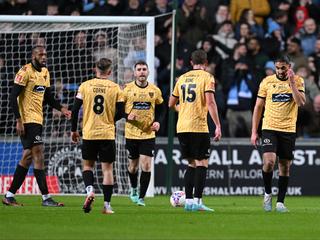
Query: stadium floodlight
x=73 y=45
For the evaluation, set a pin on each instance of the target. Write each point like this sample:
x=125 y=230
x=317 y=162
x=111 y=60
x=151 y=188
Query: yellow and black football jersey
x=190 y=89
x=99 y=98
x=141 y=101
x=281 y=111
x=31 y=98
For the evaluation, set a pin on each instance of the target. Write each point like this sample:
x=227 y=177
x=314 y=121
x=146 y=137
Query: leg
x=18 y=178
x=40 y=175
x=269 y=159
x=189 y=183
x=200 y=180
x=133 y=176
x=145 y=162
x=107 y=169
x=284 y=169
x=88 y=179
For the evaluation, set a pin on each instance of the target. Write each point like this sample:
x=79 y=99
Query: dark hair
x=295 y=40
x=199 y=57
x=104 y=64
x=282 y=58
x=35 y=48
x=140 y=62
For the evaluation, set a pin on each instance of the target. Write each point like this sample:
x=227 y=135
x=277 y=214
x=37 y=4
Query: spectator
x=314 y=62
x=161 y=23
x=260 y=8
x=101 y=49
x=295 y=53
x=273 y=43
x=248 y=17
x=134 y=8
x=310 y=119
x=52 y=8
x=193 y=21
x=224 y=39
x=221 y=15
x=308 y=36
x=269 y=68
x=257 y=58
x=311 y=88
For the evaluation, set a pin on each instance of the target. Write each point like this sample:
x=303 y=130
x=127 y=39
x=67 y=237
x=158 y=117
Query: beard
x=282 y=77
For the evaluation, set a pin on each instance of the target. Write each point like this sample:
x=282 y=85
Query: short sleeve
x=159 y=98
x=175 y=92
x=80 y=93
x=22 y=77
x=262 y=93
x=300 y=84
x=47 y=77
x=209 y=84
x=120 y=97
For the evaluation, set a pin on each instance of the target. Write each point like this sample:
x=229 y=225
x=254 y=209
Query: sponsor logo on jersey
x=141 y=105
x=151 y=94
x=281 y=97
x=39 y=88
x=18 y=78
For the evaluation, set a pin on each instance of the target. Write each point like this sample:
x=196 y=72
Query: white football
x=178 y=199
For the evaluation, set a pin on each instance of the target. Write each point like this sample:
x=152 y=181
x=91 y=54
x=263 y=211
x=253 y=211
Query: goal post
x=73 y=45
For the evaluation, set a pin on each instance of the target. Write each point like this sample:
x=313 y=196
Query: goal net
x=73 y=45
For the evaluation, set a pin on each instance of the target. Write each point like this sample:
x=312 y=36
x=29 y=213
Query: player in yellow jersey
x=280 y=95
x=31 y=87
x=194 y=91
x=102 y=105
x=143 y=104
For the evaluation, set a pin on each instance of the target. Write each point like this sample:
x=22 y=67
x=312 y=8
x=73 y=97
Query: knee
x=133 y=166
x=146 y=166
x=268 y=164
x=26 y=159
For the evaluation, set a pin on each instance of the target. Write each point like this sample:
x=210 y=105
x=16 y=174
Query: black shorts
x=194 y=145
x=104 y=150
x=281 y=143
x=32 y=135
x=137 y=147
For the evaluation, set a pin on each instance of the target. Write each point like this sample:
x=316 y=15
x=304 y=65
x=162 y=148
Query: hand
x=254 y=139
x=290 y=74
x=20 y=127
x=132 y=117
x=155 y=126
x=66 y=112
x=217 y=134
x=75 y=137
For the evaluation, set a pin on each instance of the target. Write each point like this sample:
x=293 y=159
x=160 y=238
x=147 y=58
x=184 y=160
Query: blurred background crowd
x=241 y=38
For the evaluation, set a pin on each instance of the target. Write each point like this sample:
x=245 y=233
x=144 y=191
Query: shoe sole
x=87 y=205
x=11 y=204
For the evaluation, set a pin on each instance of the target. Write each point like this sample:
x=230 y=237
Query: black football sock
x=40 y=175
x=189 y=182
x=18 y=178
x=107 y=192
x=88 y=178
x=144 y=183
x=200 y=181
x=133 y=179
x=282 y=185
x=267 y=179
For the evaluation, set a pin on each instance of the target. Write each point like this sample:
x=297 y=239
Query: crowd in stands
x=241 y=38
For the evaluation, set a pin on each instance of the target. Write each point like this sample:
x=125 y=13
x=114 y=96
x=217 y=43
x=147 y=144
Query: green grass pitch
x=234 y=218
